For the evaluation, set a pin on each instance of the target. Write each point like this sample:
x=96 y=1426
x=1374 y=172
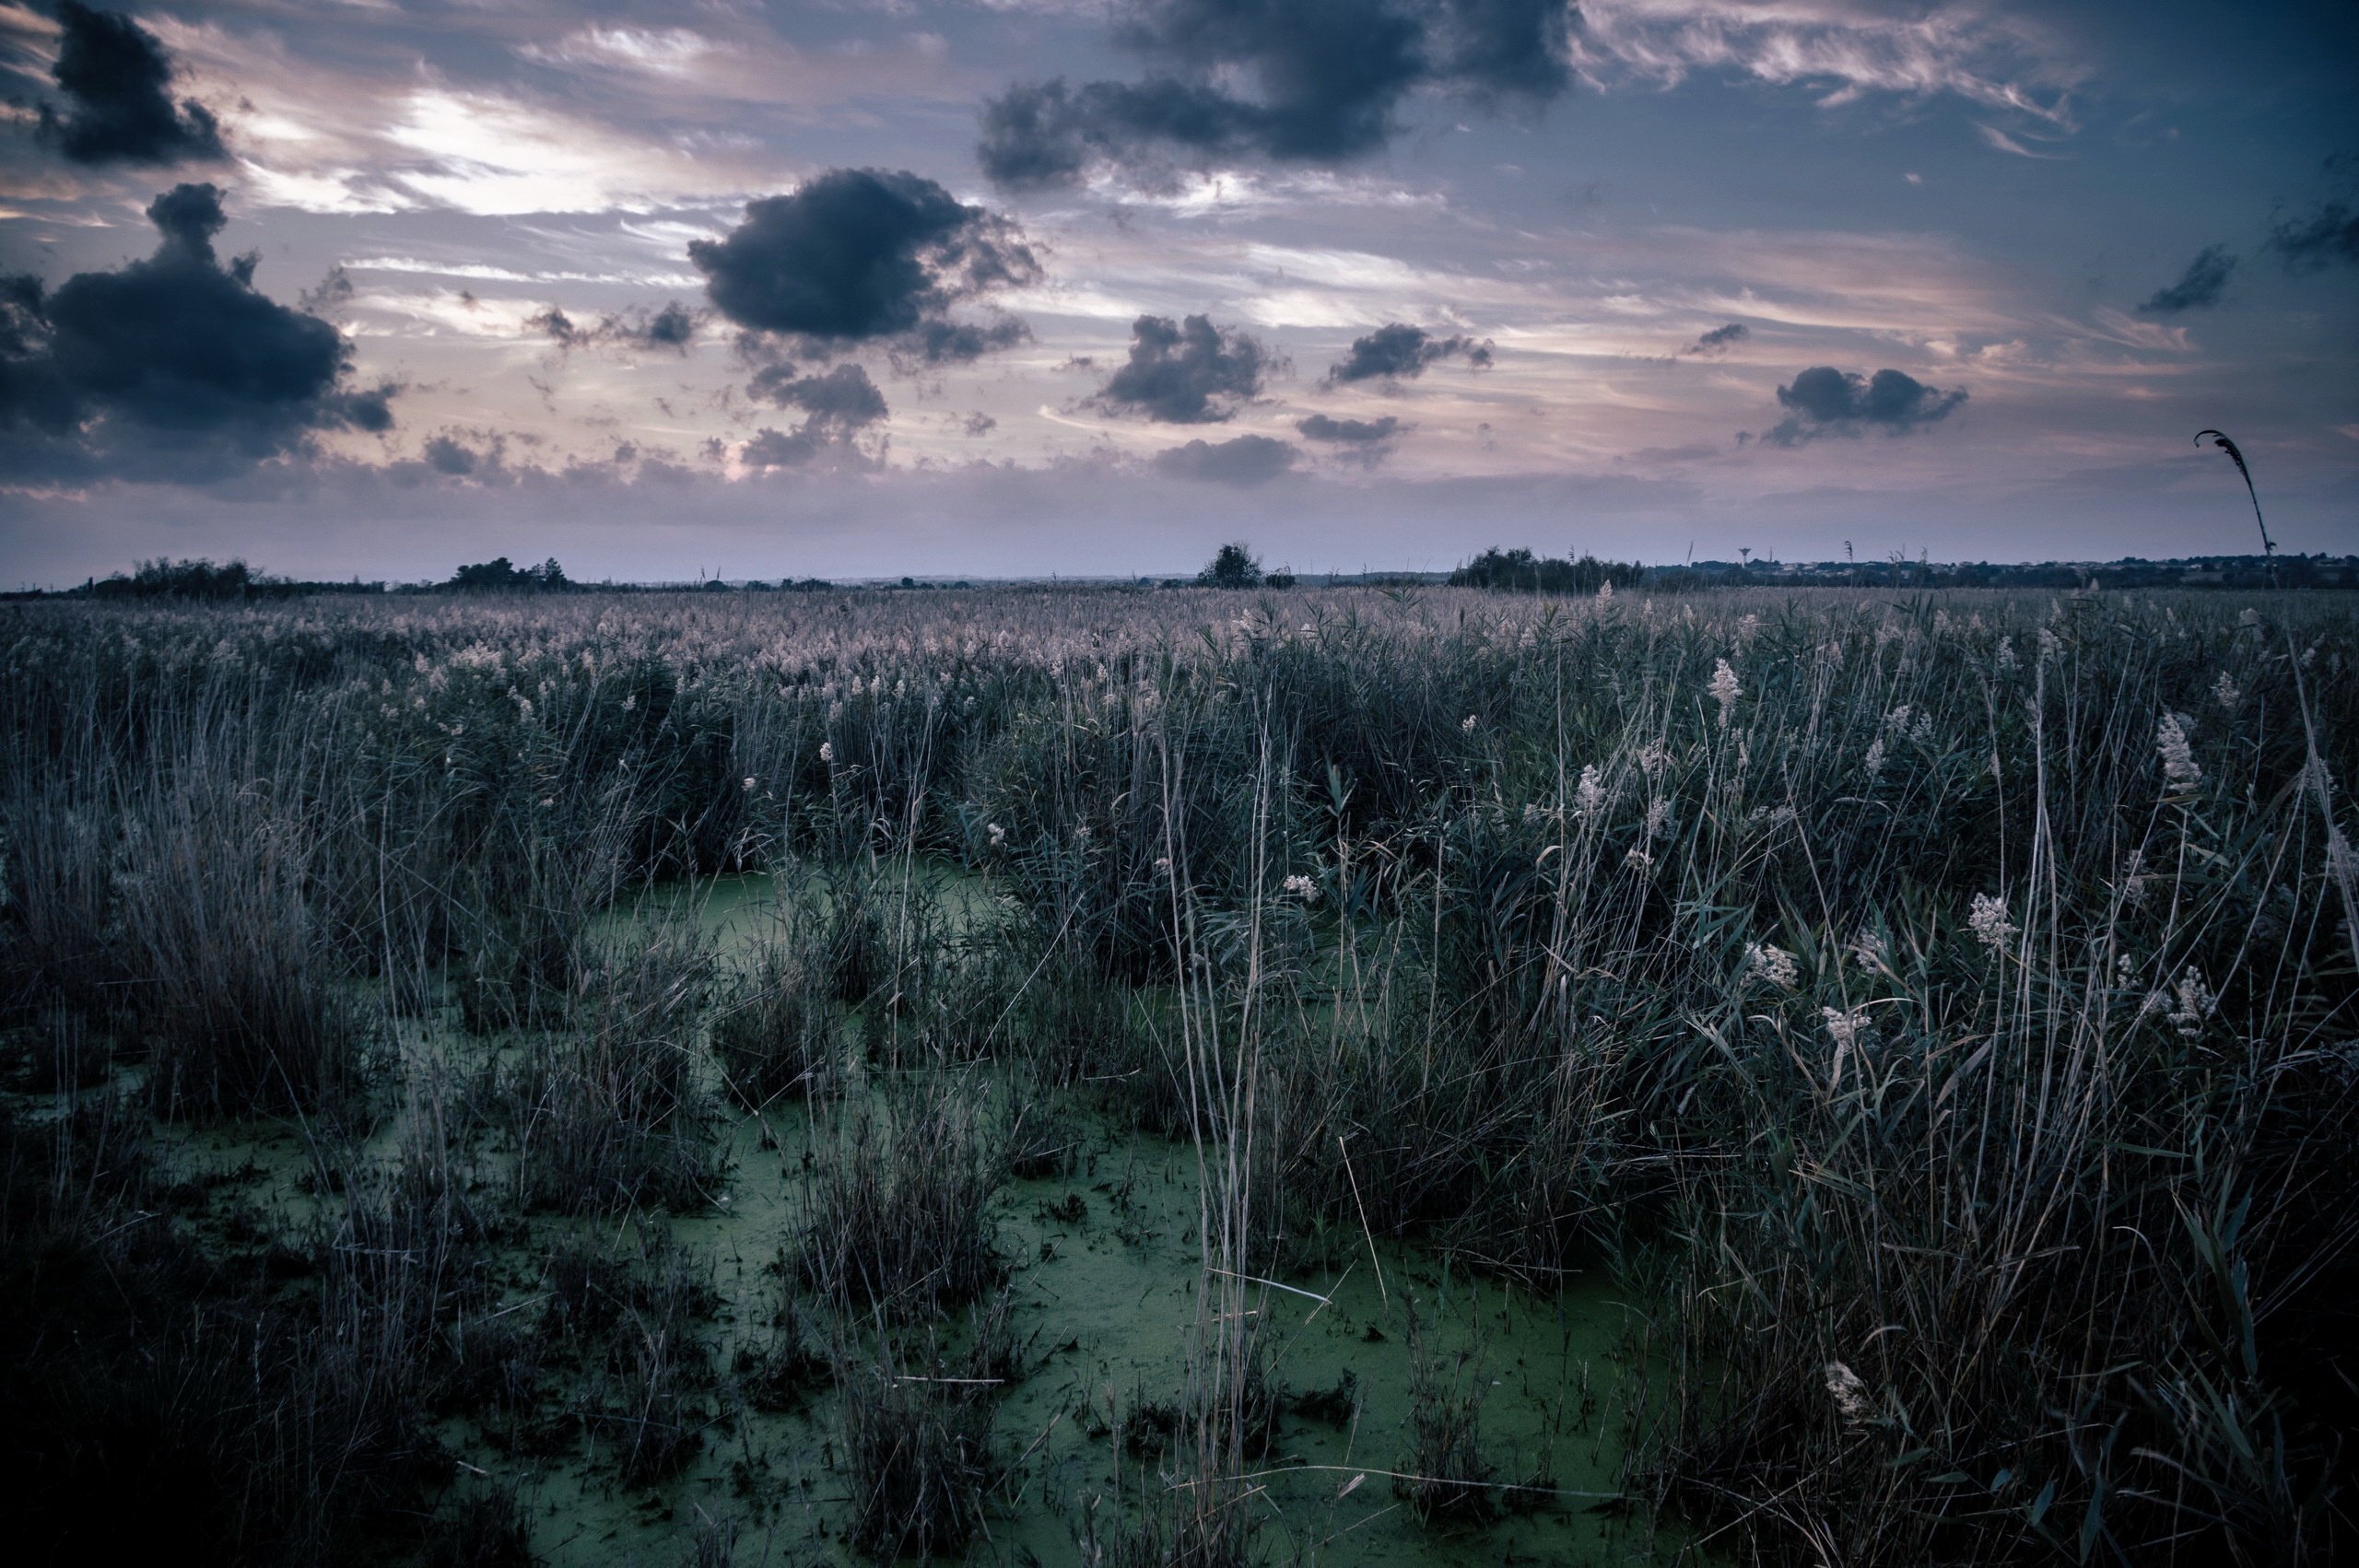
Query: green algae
x=1105 y=1269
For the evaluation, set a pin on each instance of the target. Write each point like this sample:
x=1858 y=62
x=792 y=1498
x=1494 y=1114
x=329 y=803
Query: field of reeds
x=1190 y=1077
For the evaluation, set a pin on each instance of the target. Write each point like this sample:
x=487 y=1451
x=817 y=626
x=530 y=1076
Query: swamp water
x=1105 y=1266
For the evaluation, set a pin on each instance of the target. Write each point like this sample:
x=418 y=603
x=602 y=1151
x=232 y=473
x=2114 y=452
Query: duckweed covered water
x=1105 y=1266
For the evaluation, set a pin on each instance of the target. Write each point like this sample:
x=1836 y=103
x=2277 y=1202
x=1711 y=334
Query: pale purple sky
x=1587 y=256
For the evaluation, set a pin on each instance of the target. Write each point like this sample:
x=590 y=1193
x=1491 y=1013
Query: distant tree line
x=1518 y=568
x=1234 y=566
x=501 y=573
x=163 y=579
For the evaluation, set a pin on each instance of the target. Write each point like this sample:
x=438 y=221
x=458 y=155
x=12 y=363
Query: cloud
x=1824 y=401
x=1311 y=81
x=480 y=456
x=839 y=404
x=1996 y=60
x=447 y=454
x=1719 y=339
x=2203 y=285
x=867 y=255
x=1365 y=443
x=2327 y=236
x=941 y=342
x=1398 y=351
x=1349 y=432
x=175 y=368
x=117 y=81
x=1242 y=461
x=2001 y=142
x=1187 y=373
x=674 y=327
x=841 y=399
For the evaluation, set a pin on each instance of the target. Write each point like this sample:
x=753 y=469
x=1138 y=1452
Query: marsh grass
x=919 y=1457
x=1941 y=1018
x=897 y=1211
x=1445 y=1472
x=777 y=1034
x=615 y=1111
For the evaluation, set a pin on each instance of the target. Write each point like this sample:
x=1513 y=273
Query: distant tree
x=500 y=572
x=164 y=579
x=1232 y=567
x=1533 y=573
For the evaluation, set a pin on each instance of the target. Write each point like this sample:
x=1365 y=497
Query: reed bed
x=1938 y=1008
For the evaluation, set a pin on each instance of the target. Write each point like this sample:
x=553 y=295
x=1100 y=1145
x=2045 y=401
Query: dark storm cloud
x=2327 y=236
x=867 y=255
x=1398 y=351
x=117 y=81
x=2203 y=285
x=842 y=399
x=837 y=405
x=1245 y=460
x=1315 y=81
x=941 y=342
x=174 y=367
x=1824 y=401
x=1186 y=373
x=1349 y=432
x=674 y=327
x=1719 y=339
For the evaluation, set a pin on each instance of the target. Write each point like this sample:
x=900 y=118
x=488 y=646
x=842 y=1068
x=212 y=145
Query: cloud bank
x=1243 y=462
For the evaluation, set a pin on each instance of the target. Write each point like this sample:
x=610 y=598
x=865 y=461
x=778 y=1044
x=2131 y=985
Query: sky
x=1015 y=288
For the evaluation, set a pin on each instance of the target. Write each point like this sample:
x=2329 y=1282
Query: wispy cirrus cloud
x=1844 y=53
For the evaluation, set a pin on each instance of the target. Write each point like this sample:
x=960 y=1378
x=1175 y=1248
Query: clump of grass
x=857 y=951
x=499 y=1362
x=654 y=1422
x=1045 y=1134
x=237 y=996
x=919 y=1455
x=614 y=1114
x=163 y=1403
x=57 y=884
x=1447 y=1475
x=776 y=1035
x=777 y=1368
x=899 y=1204
x=634 y=1319
x=1071 y=1025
